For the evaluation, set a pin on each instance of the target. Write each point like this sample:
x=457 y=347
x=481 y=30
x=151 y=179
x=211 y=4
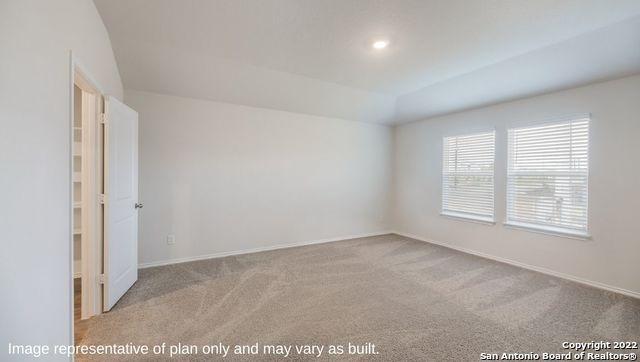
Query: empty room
x=393 y=180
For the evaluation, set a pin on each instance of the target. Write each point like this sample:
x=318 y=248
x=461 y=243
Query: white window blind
x=467 y=176
x=547 y=176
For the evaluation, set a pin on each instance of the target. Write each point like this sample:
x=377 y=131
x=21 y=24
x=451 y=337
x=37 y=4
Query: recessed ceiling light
x=380 y=44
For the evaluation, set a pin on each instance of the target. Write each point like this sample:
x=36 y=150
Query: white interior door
x=121 y=200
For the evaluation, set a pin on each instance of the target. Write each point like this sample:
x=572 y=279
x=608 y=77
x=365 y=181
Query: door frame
x=92 y=185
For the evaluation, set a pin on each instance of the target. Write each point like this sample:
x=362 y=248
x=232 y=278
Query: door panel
x=121 y=196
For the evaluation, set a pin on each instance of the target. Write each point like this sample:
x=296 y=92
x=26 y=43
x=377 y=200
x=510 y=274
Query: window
x=467 y=176
x=547 y=177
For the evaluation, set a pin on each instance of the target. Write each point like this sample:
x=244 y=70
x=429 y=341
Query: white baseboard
x=255 y=250
x=572 y=278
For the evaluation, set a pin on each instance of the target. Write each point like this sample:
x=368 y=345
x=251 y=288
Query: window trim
x=461 y=216
x=548 y=121
x=548 y=229
x=467 y=216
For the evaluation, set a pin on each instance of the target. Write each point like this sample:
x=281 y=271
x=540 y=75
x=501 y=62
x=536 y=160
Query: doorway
x=87 y=186
x=104 y=200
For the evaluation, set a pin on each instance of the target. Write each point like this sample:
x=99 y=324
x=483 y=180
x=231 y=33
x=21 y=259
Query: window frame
x=469 y=216
x=550 y=229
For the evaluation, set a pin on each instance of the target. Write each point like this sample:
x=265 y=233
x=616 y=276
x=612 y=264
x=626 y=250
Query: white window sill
x=468 y=217
x=548 y=230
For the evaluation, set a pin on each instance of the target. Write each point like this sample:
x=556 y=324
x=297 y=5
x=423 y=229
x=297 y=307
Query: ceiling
x=315 y=57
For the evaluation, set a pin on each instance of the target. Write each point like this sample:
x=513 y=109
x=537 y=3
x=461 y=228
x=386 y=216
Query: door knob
x=139 y=206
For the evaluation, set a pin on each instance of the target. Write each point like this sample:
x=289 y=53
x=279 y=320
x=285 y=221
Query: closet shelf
x=77 y=231
x=77 y=149
x=77 y=177
x=77 y=205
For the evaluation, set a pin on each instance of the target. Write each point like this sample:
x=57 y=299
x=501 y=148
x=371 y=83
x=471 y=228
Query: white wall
x=35 y=39
x=610 y=258
x=225 y=178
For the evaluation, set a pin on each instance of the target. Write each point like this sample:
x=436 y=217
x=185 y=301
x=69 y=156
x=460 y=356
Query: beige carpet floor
x=413 y=300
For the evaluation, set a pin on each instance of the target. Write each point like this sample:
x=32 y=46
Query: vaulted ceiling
x=315 y=57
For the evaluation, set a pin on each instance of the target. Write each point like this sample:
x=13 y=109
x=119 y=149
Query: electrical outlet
x=171 y=239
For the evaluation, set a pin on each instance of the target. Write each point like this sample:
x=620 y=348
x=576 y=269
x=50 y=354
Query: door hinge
x=101 y=199
x=103 y=118
x=100 y=278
